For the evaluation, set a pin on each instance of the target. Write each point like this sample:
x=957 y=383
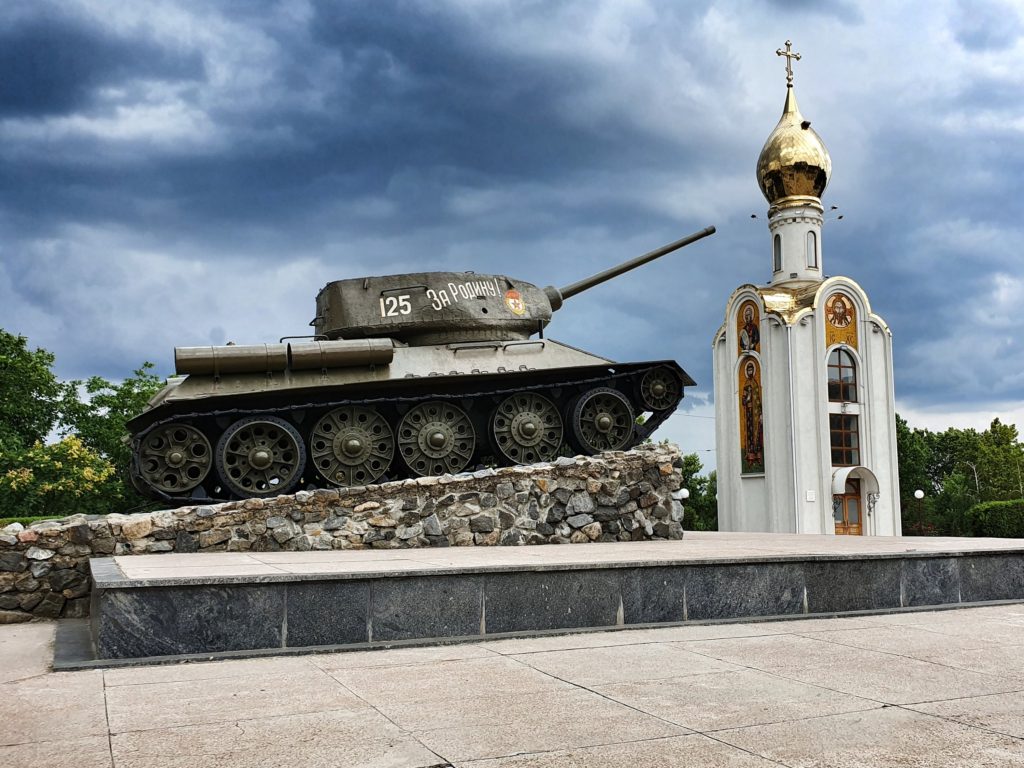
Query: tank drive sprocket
x=660 y=388
x=603 y=420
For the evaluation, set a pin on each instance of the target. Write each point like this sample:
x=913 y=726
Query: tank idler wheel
x=659 y=389
x=527 y=428
x=174 y=458
x=260 y=456
x=352 y=445
x=602 y=420
x=435 y=438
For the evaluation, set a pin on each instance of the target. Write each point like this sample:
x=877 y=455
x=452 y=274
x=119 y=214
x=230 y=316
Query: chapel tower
x=805 y=416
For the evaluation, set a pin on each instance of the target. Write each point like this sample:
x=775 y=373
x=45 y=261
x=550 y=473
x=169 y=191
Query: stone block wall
x=617 y=496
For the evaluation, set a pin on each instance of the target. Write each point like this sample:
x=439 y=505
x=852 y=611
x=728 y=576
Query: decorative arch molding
x=867 y=478
x=869 y=484
x=845 y=347
x=851 y=288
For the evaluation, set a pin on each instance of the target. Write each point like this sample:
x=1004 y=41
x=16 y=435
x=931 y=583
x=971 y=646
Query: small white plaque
x=811 y=496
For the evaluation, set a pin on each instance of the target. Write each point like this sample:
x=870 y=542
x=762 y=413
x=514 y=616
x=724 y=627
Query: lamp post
x=919 y=495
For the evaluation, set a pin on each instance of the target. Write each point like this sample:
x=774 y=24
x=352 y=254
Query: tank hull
x=432 y=409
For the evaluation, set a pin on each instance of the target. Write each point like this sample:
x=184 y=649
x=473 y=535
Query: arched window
x=812 y=250
x=777 y=254
x=842 y=377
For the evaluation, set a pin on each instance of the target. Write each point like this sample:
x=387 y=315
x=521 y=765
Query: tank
x=405 y=376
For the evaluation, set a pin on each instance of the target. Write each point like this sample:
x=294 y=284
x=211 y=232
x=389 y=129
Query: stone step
x=174 y=607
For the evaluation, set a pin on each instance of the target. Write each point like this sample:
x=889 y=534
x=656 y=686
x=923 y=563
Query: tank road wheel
x=435 y=438
x=660 y=389
x=602 y=420
x=352 y=445
x=527 y=428
x=174 y=458
x=260 y=456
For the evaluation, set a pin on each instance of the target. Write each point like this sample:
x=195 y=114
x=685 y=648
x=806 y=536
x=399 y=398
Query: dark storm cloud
x=193 y=172
x=407 y=111
x=55 y=64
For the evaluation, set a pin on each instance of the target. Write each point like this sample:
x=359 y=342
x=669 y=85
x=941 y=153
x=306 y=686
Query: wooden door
x=848 y=510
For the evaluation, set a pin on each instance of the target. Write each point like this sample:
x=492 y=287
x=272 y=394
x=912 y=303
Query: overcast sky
x=187 y=173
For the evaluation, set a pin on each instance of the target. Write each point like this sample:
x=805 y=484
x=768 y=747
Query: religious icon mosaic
x=748 y=327
x=751 y=416
x=840 y=320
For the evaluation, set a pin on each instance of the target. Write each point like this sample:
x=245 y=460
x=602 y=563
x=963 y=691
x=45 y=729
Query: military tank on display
x=406 y=375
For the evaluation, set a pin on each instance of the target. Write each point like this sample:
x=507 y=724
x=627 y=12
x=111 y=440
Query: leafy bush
x=1001 y=519
x=87 y=471
x=59 y=480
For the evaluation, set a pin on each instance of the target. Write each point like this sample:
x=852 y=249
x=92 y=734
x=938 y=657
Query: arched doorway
x=854 y=493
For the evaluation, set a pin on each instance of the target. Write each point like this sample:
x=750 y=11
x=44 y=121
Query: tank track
x=498 y=426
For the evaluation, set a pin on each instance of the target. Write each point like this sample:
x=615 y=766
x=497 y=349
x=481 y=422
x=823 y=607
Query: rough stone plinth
x=616 y=496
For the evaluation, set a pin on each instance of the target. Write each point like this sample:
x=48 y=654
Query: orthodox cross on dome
x=788 y=53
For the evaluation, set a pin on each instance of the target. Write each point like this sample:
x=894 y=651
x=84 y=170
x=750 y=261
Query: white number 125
x=393 y=306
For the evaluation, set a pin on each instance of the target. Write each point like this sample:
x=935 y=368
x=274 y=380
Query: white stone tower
x=805 y=418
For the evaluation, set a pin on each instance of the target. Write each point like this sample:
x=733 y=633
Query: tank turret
x=415 y=374
x=443 y=307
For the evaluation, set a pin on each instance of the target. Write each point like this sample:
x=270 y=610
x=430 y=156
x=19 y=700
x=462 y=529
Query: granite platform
x=169 y=607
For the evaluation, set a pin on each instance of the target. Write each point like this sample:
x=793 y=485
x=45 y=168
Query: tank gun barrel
x=557 y=295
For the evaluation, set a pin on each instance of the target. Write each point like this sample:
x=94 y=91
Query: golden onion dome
x=794 y=161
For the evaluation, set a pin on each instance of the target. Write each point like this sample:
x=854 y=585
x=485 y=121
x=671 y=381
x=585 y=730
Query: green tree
x=30 y=394
x=99 y=419
x=87 y=471
x=701 y=509
x=957 y=469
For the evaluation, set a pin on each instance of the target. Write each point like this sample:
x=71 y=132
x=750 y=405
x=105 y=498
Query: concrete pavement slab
x=445 y=680
x=732 y=699
x=879 y=738
x=773 y=653
x=87 y=752
x=517 y=645
x=481 y=727
x=622 y=663
x=1000 y=712
x=53 y=707
x=897 y=680
x=361 y=739
x=876 y=675
x=1002 y=660
x=967 y=651
x=895 y=639
x=397 y=657
x=207 y=670
x=20 y=650
x=796 y=696
x=148 y=706
x=672 y=752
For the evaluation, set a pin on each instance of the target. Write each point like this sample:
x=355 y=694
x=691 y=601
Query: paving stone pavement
x=938 y=688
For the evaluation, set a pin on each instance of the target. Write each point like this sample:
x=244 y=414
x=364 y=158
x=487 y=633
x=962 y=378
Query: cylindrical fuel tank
x=267 y=358
x=340 y=354
x=215 y=361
